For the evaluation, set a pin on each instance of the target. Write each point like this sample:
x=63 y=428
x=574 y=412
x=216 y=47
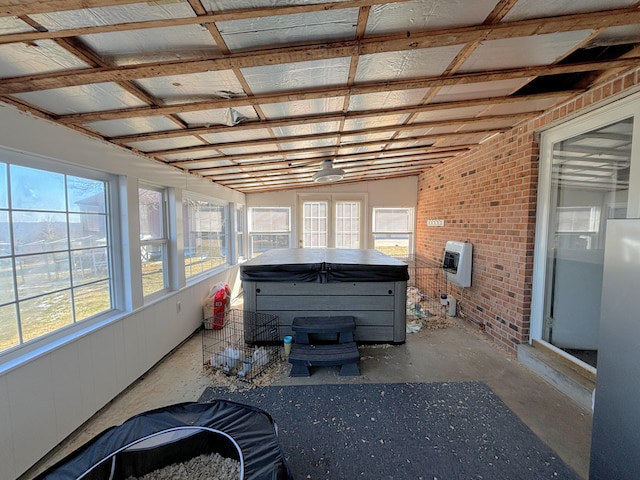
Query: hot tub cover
x=324 y=265
x=173 y=434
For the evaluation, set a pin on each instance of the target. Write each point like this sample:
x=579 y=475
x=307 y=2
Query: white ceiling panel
x=523 y=106
x=497 y=88
x=449 y=114
x=470 y=139
x=132 y=126
x=294 y=76
x=426 y=14
x=387 y=100
x=84 y=98
x=310 y=144
x=525 y=9
x=43 y=56
x=427 y=62
x=306 y=129
x=302 y=108
x=249 y=149
x=331 y=25
x=193 y=87
x=201 y=164
x=13 y=25
x=113 y=15
x=160 y=44
x=235 y=136
x=365 y=137
x=507 y=53
x=371 y=122
x=616 y=36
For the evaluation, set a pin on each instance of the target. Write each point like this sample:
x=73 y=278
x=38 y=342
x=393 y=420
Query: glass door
x=589 y=184
x=315 y=225
x=330 y=222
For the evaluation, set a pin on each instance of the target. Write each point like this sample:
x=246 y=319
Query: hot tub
x=365 y=284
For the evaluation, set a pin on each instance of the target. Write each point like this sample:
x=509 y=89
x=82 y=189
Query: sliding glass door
x=586 y=177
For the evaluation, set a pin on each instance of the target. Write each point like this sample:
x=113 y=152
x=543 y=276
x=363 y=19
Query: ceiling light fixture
x=327 y=173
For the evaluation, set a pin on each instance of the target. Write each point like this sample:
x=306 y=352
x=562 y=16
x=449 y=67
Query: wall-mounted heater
x=457 y=262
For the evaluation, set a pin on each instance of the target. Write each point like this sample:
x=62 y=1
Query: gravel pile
x=202 y=467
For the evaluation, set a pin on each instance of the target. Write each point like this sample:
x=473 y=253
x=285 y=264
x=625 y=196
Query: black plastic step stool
x=342 y=326
x=344 y=353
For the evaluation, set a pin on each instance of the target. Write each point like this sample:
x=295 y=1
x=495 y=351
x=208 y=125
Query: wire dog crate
x=426 y=284
x=245 y=346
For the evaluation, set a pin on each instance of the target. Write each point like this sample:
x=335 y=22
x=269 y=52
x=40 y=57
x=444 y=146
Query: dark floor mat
x=429 y=431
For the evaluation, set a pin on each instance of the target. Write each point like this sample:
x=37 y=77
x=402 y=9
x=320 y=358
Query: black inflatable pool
x=174 y=434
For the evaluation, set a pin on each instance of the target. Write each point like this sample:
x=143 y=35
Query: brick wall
x=488 y=198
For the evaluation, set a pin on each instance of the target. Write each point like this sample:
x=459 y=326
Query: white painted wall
x=47 y=394
x=400 y=192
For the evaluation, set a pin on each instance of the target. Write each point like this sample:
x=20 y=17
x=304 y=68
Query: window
x=393 y=231
x=205 y=243
x=315 y=218
x=240 y=228
x=153 y=239
x=55 y=252
x=330 y=221
x=269 y=227
x=348 y=224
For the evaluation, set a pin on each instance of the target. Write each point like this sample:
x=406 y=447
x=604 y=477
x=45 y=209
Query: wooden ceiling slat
x=294 y=54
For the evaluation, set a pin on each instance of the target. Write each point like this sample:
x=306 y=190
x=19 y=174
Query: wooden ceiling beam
x=27 y=7
x=310 y=119
x=305 y=53
x=311 y=94
x=338 y=135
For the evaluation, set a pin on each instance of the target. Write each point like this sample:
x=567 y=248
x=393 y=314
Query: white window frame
x=224 y=236
x=115 y=274
x=377 y=230
x=154 y=244
x=252 y=233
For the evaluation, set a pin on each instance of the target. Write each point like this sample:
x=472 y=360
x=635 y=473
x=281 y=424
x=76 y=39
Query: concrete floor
x=457 y=353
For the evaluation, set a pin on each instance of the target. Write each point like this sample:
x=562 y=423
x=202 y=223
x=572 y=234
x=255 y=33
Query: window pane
x=91 y=299
x=270 y=219
x=87 y=230
x=86 y=195
x=36 y=274
x=151 y=214
x=240 y=227
x=392 y=244
x=263 y=242
x=6 y=281
x=4 y=202
x=392 y=219
x=89 y=265
x=153 y=275
x=315 y=224
x=39 y=232
x=5 y=236
x=8 y=327
x=45 y=314
x=347 y=225
x=33 y=189
x=204 y=227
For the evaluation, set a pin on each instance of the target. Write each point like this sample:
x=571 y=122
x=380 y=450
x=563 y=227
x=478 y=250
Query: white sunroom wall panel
x=69 y=411
x=7 y=466
x=32 y=409
x=104 y=372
